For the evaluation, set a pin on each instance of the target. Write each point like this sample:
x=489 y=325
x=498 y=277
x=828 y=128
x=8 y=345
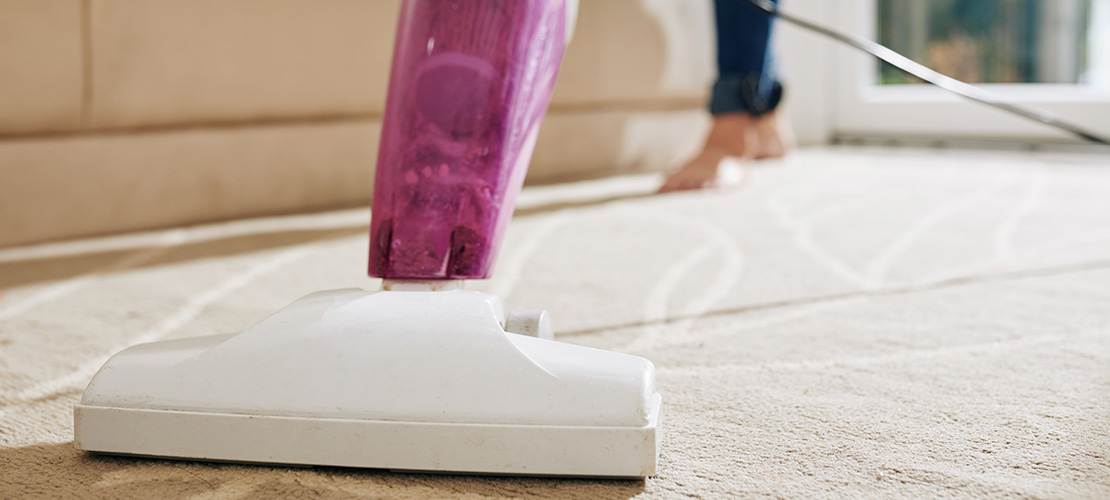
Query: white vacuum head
x=408 y=380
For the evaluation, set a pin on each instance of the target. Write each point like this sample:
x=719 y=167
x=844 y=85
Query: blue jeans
x=747 y=80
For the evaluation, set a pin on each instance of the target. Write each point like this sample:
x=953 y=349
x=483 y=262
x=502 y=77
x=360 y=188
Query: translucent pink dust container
x=470 y=82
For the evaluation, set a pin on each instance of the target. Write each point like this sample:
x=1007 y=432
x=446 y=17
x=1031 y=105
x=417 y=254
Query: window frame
x=862 y=108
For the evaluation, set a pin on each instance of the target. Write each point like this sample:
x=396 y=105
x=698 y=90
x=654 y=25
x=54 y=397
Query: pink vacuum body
x=470 y=82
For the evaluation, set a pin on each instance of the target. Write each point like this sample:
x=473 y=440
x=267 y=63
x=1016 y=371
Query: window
x=1051 y=54
x=999 y=41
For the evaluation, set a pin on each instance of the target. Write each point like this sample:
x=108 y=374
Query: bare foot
x=738 y=137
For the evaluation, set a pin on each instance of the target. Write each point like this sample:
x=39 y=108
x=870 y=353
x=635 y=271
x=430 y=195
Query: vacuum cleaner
x=422 y=375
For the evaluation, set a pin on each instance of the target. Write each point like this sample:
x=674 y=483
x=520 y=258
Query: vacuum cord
x=945 y=82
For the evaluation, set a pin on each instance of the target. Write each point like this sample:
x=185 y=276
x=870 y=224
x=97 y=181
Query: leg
x=746 y=121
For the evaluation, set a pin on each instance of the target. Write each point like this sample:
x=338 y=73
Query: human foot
x=739 y=137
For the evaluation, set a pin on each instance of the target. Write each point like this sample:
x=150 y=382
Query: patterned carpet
x=851 y=323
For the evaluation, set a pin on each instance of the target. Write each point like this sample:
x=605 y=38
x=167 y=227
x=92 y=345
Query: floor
x=895 y=323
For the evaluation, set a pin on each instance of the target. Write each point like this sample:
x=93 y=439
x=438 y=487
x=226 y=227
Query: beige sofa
x=119 y=115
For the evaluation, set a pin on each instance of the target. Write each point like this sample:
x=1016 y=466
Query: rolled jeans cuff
x=743 y=94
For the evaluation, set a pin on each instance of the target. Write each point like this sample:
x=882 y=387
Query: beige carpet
x=853 y=323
